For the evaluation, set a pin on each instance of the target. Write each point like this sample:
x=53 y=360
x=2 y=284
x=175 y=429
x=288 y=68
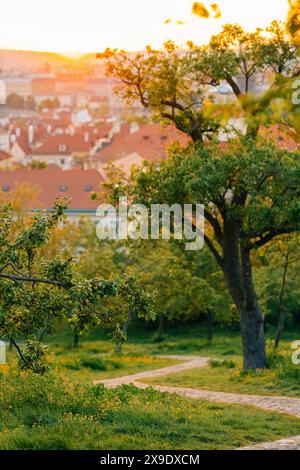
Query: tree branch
x=235 y=88
x=215 y=224
x=269 y=237
x=214 y=251
x=13 y=277
x=16 y=346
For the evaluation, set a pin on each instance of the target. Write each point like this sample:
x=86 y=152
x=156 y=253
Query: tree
x=247 y=201
x=49 y=104
x=15 y=101
x=276 y=274
x=187 y=286
x=293 y=22
x=37 y=165
x=81 y=159
x=172 y=83
x=250 y=191
x=35 y=290
x=30 y=103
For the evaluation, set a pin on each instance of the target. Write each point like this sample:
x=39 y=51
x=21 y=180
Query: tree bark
x=210 y=325
x=239 y=278
x=253 y=337
x=160 y=327
x=282 y=310
x=124 y=329
x=75 y=339
x=42 y=333
x=252 y=321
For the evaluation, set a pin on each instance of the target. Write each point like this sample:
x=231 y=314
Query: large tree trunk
x=252 y=321
x=238 y=274
x=253 y=337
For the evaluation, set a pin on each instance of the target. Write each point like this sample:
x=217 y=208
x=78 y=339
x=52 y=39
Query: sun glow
x=94 y=25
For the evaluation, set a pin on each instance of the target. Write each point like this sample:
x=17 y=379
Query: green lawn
x=223 y=379
x=96 y=359
x=40 y=413
x=225 y=374
x=63 y=410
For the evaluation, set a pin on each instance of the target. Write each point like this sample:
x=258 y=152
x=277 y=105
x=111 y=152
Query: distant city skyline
x=71 y=27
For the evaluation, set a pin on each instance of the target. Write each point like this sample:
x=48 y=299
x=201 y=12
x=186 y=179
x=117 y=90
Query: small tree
x=35 y=290
x=15 y=101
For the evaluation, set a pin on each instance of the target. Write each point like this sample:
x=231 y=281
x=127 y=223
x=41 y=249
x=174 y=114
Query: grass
x=96 y=359
x=185 y=340
x=42 y=413
x=282 y=378
x=63 y=411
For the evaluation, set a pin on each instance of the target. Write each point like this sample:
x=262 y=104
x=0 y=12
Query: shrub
x=225 y=364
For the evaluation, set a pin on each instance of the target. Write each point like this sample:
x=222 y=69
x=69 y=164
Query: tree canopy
x=36 y=290
x=248 y=185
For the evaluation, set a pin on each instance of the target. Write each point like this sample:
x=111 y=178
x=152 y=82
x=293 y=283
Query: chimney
x=30 y=134
x=86 y=136
x=49 y=129
x=116 y=127
x=134 y=127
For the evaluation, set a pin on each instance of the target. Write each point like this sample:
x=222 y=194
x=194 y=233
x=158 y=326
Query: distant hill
x=30 y=61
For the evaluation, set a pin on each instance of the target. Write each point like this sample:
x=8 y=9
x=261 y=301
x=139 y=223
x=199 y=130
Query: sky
x=92 y=25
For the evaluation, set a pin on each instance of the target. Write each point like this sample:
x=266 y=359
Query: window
x=88 y=188
x=63 y=189
x=5 y=188
x=62 y=148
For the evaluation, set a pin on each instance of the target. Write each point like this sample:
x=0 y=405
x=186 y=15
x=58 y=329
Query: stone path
x=280 y=404
x=293 y=443
x=190 y=362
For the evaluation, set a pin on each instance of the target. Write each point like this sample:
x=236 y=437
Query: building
x=19 y=149
x=43 y=85
x=59 y=149
x=22 y=86
x=6 y=160
x=101 y=87
x=50 y=183
x=4 y=140
x=132 y=144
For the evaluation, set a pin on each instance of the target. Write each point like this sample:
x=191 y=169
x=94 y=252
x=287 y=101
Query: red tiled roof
x=4 y=155
x=53 y=145
x=22 y=142
x=101 y=131
x=75 y=184
x=283 y=137
x=150 y=142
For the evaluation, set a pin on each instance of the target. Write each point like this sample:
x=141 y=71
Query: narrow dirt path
x=271 y=403
x=190 y=362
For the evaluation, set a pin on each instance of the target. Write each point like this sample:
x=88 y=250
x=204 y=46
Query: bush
x=225 y=364
x=97 y=363
x=30 y=400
